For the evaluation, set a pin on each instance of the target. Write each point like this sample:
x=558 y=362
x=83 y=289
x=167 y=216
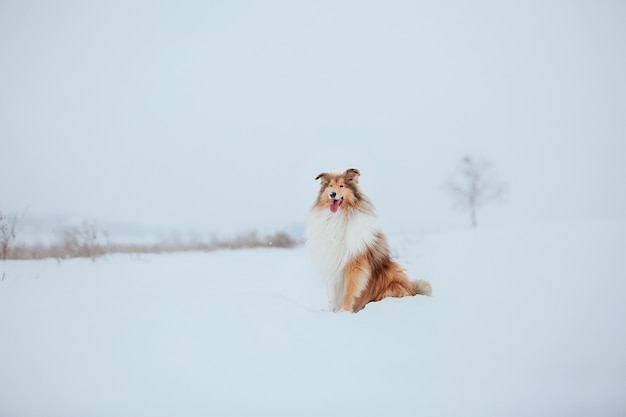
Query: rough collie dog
x=349 y=249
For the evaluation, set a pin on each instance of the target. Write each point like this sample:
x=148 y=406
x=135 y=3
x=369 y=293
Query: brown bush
x=8 y=226
x=87 y=241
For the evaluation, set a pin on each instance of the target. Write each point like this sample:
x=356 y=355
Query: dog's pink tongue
x=335 y=206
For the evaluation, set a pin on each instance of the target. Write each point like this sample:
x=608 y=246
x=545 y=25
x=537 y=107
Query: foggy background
x=217 y=116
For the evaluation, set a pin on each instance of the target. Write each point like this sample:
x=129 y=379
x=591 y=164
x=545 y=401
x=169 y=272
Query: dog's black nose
x=333 y=194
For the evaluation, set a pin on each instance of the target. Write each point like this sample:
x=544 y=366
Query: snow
x=524 y=321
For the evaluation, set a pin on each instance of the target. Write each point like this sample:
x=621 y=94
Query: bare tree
x=474 y=185
x=8 y=224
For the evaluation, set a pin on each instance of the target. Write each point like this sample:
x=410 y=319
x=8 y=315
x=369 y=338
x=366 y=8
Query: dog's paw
x=347 y=307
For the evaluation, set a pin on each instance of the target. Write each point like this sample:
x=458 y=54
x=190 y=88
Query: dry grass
x=87 y=241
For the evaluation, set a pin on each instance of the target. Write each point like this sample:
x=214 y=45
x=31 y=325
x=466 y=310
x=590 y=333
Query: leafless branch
x=8 y=226
x=475 y=185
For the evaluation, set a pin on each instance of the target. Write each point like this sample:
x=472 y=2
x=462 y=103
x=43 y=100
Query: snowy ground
x=523 y=322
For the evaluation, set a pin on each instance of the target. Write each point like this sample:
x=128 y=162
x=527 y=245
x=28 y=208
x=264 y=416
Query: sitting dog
x=348 y=248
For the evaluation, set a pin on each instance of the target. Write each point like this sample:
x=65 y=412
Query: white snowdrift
x=523 y=322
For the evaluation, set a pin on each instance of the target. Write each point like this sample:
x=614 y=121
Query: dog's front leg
x=355 y=281
x=335 y=290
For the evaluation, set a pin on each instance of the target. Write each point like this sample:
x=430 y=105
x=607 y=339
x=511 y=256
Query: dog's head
x=339 y=190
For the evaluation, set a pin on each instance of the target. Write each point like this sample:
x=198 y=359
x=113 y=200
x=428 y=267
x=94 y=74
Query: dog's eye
x=341 y=186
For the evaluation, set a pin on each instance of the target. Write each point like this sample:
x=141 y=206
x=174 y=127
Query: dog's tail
x=422 y=287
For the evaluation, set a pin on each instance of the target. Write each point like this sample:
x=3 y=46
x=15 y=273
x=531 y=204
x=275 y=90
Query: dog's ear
x=352 y=174
x=322 y=176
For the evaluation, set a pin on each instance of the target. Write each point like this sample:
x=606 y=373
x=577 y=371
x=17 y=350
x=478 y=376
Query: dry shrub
x=8 y=225
x=87 y=241
x=281 y=240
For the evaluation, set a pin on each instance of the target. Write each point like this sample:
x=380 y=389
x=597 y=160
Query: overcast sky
x=218 y=115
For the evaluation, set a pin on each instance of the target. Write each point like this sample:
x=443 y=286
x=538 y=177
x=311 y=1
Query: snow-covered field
x=527 y=321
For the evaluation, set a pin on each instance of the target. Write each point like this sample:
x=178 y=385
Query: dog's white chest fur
x=333 y=239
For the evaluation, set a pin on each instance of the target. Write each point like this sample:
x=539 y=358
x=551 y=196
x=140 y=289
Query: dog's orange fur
x=370 y=275
x=356 y=274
